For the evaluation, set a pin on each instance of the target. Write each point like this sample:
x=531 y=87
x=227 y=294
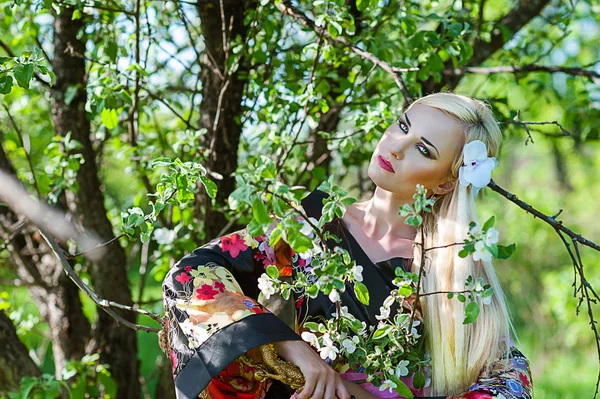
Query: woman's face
x=421 y=147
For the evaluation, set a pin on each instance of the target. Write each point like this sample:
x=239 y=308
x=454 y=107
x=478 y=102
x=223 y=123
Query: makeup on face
x=385 y=164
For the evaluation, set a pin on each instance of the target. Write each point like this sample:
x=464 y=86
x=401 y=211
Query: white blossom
x=311 y=252
x=164 y=236
x=486 y=300
x=384 y=313
x=343 y=312
x=307 y=229
x=357 y=273
x=475 y=230
x=334 y=295
x=251 y=241
x=477 y=169
x=387 y=384
x=329 y=350
x=491 y=237
x=388 y=301
x=481 y=252
x=413 y=330
x=363 y=329
x=266 y=285
x=350 y=344
x=401 y=369
x=310 y=338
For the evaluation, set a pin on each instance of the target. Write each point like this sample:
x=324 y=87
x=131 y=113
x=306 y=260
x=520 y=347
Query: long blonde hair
x=459 y=353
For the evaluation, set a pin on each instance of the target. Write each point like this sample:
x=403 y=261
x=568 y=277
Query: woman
x=210 y=295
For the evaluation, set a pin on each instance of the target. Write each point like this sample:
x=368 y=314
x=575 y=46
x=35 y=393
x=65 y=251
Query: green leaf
x=111 y=50
x=493 y=250
x=401 y=388
x=418 y=380
x=332 y=31
x=337 y=26
x=362 y=293
x=146 y=233
x=471 y=312
x=210 y=186
x=489 y=223
x=362 y=5
x=382 y=331
x=181 y=181
x=435 y=62
x=461 y=297
x=259 y=210
x=4 y=60
x=300 y=242
x=23 y=73
x=450 y=295
x=311 y=326
x=463 y=253
x=504 y=252
x=110 y=118
x=405 y=291
x=43 y=70
x=6 y=83
x=423 y=73
x=272 y=271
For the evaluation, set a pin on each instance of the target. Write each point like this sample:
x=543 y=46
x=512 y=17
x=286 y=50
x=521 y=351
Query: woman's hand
x=322 y=381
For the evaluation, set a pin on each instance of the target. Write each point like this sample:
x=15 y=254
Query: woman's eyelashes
x=403 y=126
x=422 y=149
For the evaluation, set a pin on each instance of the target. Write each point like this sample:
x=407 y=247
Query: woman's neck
x=380 y=217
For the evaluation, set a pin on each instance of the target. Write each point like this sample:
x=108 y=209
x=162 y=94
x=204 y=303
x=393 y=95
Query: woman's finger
x=341 y=391
x=319 y=389
x=309 y=386
x=331 y=385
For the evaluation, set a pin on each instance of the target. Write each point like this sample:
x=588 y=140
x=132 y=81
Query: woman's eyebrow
x=422 y=138
x=431 y=144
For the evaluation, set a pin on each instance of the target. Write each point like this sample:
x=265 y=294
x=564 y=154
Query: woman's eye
x=403 y=126
x=423 y=151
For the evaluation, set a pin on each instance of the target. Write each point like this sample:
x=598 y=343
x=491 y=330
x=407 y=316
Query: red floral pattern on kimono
x=213 y=317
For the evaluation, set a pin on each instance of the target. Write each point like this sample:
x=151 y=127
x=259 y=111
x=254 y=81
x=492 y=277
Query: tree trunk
x=55 y=295
x=224 y=140
x=117 y=344
x=15 y=362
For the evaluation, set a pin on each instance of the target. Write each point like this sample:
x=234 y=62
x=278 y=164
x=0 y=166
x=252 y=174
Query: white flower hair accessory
x=477 y=168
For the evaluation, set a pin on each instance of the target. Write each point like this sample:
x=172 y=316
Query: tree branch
x=592 y=75
x=551 y=220
x=288 y=9
x=103 y=303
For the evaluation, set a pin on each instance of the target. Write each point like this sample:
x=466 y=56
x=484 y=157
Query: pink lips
x=385 y=164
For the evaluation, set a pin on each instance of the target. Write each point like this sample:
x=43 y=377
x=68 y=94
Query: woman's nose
x=397 y=148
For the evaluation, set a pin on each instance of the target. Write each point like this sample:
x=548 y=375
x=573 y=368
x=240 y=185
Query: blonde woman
x=210 y=295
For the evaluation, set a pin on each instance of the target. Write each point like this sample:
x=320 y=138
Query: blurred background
x=108 y=107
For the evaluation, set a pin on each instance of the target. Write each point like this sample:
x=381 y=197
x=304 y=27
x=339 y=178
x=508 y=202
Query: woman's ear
x=445 y=187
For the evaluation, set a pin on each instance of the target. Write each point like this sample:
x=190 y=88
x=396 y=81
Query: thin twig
x=288 y=9
x=27 y=154
x=103 y=303
x=548 y=219
x=591 y=74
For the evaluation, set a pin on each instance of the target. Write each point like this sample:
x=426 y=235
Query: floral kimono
x=214 y=317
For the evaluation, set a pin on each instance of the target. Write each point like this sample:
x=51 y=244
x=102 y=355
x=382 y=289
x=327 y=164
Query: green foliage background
x=553 y=173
